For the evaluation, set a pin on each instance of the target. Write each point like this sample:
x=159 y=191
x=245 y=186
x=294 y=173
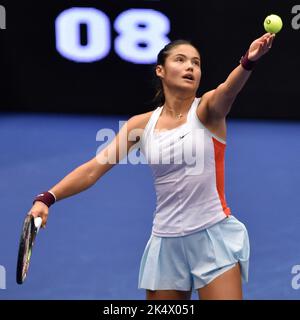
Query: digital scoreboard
x=99 y=56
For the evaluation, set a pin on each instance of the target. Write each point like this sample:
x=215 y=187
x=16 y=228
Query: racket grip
x=38 y=223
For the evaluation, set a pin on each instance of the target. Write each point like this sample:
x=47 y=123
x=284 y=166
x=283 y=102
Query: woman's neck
x=176 y=106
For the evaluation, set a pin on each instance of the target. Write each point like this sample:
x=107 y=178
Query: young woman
x=195 y=243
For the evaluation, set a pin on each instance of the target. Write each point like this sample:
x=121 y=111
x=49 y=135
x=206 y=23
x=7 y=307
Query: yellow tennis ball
x=273 y=23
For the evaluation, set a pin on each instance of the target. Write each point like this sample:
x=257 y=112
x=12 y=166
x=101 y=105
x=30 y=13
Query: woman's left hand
x=260 y=46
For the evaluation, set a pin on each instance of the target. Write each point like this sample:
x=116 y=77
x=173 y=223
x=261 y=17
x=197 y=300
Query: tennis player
x=196 y=243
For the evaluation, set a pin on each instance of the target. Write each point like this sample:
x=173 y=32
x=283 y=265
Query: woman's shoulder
x=202 y=108
x=140 y=120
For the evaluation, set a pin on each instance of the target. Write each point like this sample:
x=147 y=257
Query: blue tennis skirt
x=192 y=261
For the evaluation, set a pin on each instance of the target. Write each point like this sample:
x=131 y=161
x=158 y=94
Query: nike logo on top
x=180 y=137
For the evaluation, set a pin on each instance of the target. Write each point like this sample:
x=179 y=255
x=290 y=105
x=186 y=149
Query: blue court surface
x=93 y=243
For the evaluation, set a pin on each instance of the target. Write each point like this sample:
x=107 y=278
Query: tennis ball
x=273 y=23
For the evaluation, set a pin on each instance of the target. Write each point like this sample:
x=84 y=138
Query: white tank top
x=187 y=163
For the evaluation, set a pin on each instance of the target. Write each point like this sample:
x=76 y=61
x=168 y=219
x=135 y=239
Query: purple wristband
x=246 y=63
x=46 y=197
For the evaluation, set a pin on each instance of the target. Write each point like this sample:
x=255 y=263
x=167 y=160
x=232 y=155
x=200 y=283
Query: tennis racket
x=31 y=227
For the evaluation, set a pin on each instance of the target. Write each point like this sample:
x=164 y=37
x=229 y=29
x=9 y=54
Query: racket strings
x=29 y=232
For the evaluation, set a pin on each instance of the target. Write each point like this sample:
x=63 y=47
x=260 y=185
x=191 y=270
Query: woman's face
x=182 y=69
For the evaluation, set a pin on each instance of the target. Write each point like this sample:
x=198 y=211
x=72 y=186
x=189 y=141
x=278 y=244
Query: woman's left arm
x=220 y=100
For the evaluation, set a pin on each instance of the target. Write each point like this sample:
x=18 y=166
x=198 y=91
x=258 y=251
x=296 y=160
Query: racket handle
x=38 y=223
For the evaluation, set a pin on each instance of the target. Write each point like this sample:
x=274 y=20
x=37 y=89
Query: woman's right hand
x=39 y=209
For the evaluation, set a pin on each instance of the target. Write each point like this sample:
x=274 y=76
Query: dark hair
x=159 y=98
